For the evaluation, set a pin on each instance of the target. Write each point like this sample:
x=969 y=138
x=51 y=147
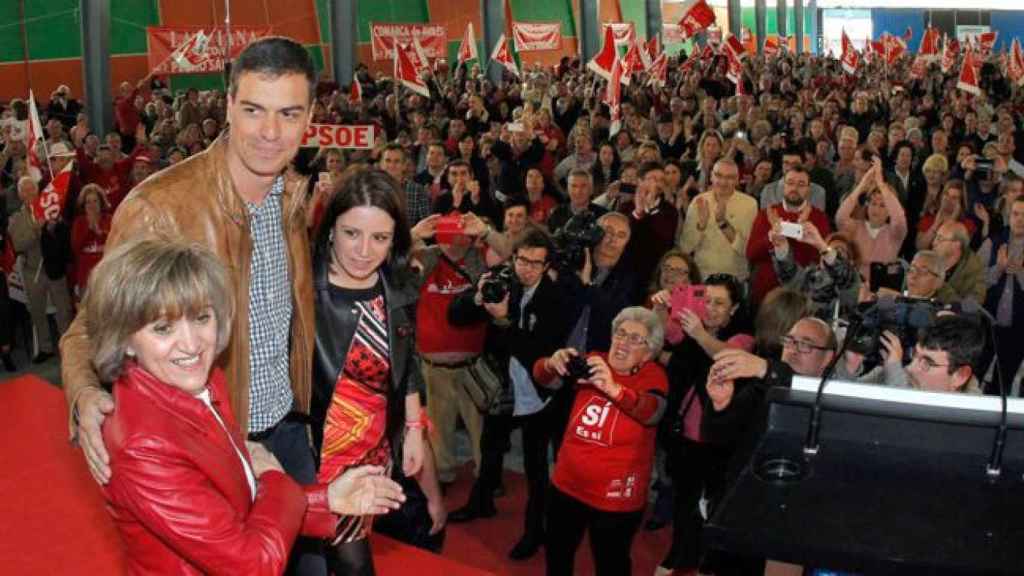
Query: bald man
x=964 y=270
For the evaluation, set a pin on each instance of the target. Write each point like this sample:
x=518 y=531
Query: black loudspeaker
x=898 y=485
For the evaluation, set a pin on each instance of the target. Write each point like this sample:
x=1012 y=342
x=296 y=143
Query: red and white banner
x=733 y=45
x=697 y=17
x=34 y=140
x=986 y=40
x=624 y=32
x=355 y=92
x=613 y=97
x=50 y=203
x=636 y=60
x=1015 y=63
x=672 y=33
x=657 y=73
x=358 y=137
x=894 y=48
x=929 y=48
x=503 y=56
x=467 y=48
x=850 y=58
x=968 y=80
x=407 y=71
x=433 y=38
x=535 y=36
x=196 y=49
x=949 y=54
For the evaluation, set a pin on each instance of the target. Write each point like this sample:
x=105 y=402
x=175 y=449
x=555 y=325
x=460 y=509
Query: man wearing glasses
x=529 y=323
x=944 y=357
x=925 y=276
x=964 y=271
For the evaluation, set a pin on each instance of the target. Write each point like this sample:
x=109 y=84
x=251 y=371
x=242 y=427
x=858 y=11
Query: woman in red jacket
x=188 y=495
x=88 y=234
x=604 y=464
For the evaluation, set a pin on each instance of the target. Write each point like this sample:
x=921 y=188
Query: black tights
x=351 y=558
x=611 y=536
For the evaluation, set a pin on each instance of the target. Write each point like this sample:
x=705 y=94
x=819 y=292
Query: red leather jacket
x=179 y=493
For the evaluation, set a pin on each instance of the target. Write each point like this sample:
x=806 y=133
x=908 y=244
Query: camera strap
x=458 y=268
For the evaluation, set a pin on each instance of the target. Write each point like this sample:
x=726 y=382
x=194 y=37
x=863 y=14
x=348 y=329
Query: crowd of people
x=509 y=257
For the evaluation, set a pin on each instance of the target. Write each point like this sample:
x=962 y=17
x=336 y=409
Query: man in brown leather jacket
x=238 y=199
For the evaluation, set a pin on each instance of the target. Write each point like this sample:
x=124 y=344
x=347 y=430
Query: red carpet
x=485 y=543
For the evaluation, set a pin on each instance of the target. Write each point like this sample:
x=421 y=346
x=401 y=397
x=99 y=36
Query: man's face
x=530 y=264
x=105 y=158
x=268 y=116
x=724 y=177
x=140 y=170
x=790 y=161
x=922 y=280
x=435 y=157
x=796 y=187
x=393 y=162
x=114 y=141
x=579 y=191
x=456 y=128
x=616 y=236
x=28 y=191
x=1017 y=219
x=930 y=370
x=458 y=176
x=515 y=220
x=939 y=142
x=54 y=128
x=805 y=350
x=903 y=159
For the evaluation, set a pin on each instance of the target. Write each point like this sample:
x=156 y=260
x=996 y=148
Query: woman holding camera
x=604 y=464
x=697 y=467
x=366 y=375
x=187 y=493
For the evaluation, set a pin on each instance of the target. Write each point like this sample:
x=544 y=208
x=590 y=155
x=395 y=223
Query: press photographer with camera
x=604 y=465
x=528 y=317
x=581 y=189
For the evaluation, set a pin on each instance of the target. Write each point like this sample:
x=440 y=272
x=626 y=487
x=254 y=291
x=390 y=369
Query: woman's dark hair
x=731 y=285
x=368 y=187
x=273 y=56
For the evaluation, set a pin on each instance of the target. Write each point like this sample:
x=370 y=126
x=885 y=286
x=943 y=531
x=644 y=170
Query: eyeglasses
x=919 y=270
x=801 y=346
x=927 y=364
x=630 y=338
x=674 y=270
x=527 y=263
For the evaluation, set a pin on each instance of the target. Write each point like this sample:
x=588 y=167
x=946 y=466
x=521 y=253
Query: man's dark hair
x=962 y=338
x=273 y=56
x=393 y=147
x=793 y=150
x=536 y=238
x=899 y=145
x=460 y=163
x=516 y=201
x=649 y=167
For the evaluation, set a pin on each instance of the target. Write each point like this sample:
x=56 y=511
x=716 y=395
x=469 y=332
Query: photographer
x=604 y=466
x=528 y=321
x=581 y=189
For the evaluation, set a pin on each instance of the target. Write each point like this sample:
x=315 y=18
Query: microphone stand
x=811 y=444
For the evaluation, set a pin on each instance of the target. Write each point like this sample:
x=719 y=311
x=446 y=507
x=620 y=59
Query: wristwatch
x=723 y=224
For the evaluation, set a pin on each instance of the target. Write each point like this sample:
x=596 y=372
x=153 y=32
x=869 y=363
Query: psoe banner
x=359 y=137
x=196 y=49
x=623 y=32
x=433 y=38
x=535 y=36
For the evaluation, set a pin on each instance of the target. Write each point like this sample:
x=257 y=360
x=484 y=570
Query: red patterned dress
x=354 y=432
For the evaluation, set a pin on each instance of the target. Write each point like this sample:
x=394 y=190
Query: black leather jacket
x=335 y=326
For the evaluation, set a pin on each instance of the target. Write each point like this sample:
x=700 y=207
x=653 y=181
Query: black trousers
x=1011 y=353
x=289 y=443
x=540 y=430
x=611 y=536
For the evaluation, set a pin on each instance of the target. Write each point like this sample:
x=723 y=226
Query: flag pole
x=227 y=44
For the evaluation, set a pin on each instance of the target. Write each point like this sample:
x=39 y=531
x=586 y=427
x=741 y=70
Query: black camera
x=572 y=239
x=577 y=368
x=904 y=317
x=498 y=284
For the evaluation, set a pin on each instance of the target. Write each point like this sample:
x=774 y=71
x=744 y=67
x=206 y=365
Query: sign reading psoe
x=336 y=136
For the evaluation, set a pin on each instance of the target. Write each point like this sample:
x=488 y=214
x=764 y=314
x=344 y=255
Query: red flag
x=908 y=35
x=877 y=48
x=986 y=40
x=707 y=53
x=50 y=203
x=653 y=48
x=929 y=48
x=949 y=54
x=502 y=55
x=697 y=17
x=634 y=62
x=406 y=72
x=467 y=48
x=33 y=140
x=894 y=48
x=733 y=45
x=968 y=81
x=355 y=93
x=850 y=58
x=1015 y=64
x=658 y=71
x=613 y=96
x=602 y=62
x=919 y=67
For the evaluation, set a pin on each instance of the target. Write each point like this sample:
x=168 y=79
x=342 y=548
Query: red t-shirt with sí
x=606 y=455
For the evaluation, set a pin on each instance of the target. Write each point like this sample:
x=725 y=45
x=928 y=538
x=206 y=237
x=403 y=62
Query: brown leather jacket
x=196 y=200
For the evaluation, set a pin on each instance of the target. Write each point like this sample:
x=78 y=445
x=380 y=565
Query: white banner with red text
x=196 y=49
x=359 y=137
x=534 y=36
x=433 y=38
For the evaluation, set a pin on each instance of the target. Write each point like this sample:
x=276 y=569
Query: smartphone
x=626 y=188
x=887 y=275
x=325 y=178
x=689 y=297
x=793 y=230
x=741 y=134
x=515 y=127
x=448 y=228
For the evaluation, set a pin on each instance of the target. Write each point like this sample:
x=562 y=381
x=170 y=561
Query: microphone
x=994 y=467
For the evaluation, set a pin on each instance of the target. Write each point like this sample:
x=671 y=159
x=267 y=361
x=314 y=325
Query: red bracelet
x=423 y=423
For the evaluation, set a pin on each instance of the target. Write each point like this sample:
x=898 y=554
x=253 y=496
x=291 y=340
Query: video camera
x=571 y=240
x=904 y=317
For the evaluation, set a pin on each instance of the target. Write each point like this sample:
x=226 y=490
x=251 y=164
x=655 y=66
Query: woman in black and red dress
x=367 y=380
